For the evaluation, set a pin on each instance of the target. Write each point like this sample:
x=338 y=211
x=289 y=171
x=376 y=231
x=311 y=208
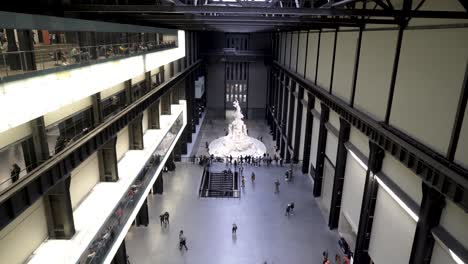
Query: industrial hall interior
x=234 y=131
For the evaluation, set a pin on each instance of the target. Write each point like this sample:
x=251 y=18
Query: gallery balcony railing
x=103 y=242
x=20 y=62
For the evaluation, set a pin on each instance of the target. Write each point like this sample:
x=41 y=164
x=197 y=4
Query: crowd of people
x=81 y=54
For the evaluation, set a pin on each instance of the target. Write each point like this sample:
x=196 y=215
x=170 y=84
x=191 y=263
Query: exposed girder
x=265 y=11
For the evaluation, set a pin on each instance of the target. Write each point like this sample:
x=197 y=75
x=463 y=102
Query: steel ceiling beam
x=262 y=19
x=147 y=9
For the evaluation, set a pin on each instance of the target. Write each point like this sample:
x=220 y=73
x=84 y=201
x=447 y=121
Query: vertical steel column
x=333 y=61
x=308 y=133
x=371 y=188
x=158 y=186
x=96 y=108
x=25 y=41
x=290 y=121
x=59 y=211
x=322 y=143
x=142 y=218
x=120 y=256
x=338 y=181
x=318 y=57
x=298 y=129
x=356 y=66
x=107 y=158
x=190 y=102
x=430 y=211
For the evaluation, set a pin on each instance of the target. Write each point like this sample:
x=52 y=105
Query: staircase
x=219 y=185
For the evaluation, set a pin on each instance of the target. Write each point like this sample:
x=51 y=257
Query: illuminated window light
x=456 y=258
x=397 y=199
x=362 y=163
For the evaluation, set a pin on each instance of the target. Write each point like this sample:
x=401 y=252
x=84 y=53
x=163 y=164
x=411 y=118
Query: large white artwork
x=237 y=142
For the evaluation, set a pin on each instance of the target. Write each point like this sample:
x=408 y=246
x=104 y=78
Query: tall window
x=236 y=83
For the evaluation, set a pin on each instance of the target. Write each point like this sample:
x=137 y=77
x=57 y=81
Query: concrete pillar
x=97 y=110
x=107 y=157
x=142 y=217
x=120 y=256
x=59 y=211
x=153 y=116
x=135 y=133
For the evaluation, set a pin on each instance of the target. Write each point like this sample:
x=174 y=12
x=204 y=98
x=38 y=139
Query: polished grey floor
x=264 y=232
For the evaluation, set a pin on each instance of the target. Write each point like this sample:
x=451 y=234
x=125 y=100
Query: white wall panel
x=440 y=255
x=327 y=187
x=331 y=147
x=392 y=231
x=344 y=64
x=138 y=78
x=353 y=190
x=122 y=144
x=374 y=75
x=20 y=238
x=167 y=73
x=302 y=53
x=288 y=49
x=325 y=59
x=294 y=50
x=454 y=220
x=83 y=179
x=359 y=140
x=12 y=135
x=403 y=177
x=112 y=90
x=461 y=155
x=312 y=55
x=314 y=141
x=145 y=121
x=440 y=59
x=334 y=119
x=67 y=111
x=302 y=139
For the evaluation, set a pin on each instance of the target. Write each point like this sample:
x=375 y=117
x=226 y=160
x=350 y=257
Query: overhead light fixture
x=456 y=258
x=397 y=199
x=362 y=163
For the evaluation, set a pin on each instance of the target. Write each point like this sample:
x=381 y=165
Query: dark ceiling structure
x=244 y=15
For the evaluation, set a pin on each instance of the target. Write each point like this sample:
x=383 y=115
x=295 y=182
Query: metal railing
x=19 y=62
x=102 y=243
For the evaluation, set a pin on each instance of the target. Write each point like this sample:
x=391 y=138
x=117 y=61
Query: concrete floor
x=264 y=232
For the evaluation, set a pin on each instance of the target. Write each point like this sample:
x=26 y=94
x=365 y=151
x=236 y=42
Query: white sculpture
x=237 y=142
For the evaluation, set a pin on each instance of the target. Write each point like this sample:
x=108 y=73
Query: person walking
x=291 y=206
x=253 y=177
x=166 y=218
x=182 y=240
x=277 y=184
x=234 y=229
x=243 y=181
x=288 y=210
x=161 y=219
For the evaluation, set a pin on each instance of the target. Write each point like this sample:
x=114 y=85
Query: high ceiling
x=243 y=15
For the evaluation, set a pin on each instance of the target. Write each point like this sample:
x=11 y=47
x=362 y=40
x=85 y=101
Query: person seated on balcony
x=15 y=172
x=123 y=50
x=61 y=57
x=76 y=54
